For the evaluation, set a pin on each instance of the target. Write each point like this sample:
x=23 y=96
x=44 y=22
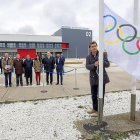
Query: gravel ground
x=53 y=119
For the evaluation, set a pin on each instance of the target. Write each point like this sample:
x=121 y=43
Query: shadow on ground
x=113 y=126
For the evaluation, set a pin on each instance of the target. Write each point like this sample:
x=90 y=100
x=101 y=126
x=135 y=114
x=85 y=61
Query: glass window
x=22 y=45
x=58 y=46
x=49 y=46
x=2 y=45
x=9 y=54
x=40 y=45
x=11 y=45
x=32 y=45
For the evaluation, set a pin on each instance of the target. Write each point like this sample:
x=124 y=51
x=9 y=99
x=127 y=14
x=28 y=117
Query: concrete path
x=119 y=80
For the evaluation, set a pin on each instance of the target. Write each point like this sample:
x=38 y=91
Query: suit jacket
x=63 y=58
x=49 y=64
x=28 y=64
x=59 y=64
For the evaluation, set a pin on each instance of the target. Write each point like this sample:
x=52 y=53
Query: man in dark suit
x=53 y=59
x=59 y=68
x=49 y=67
x=28 y=64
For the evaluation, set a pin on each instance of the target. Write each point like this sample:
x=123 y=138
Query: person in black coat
x=28 y=64
x=92 y=64
x=59 y=68
x=49 y=67
x=53 y=59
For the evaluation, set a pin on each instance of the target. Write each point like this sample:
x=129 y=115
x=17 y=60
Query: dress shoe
x=95 y=114
x=38 y=83
x=91 y=111
x=61 y=83
x=57 y=83
x=17 y=85
x=30 y=84
x=6 y=86
x=10 y=85
x=21 y=84
x=47 y=83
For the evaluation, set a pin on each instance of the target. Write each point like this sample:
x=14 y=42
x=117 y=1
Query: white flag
x=121 y=41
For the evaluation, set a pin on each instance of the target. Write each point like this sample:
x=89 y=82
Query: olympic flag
x=121 y=41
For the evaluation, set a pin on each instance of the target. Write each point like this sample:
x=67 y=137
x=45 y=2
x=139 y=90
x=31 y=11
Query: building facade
x=72 y=42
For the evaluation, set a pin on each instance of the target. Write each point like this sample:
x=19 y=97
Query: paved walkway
x=120 y=80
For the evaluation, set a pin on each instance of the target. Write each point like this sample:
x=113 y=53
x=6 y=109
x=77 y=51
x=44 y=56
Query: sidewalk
x=118 y=81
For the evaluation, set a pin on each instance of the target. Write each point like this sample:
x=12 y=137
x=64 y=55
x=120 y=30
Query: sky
x=44 y=17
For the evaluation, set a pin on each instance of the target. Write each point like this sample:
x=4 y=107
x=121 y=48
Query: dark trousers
x=59 y=73
x=94 y=95
x=28 y=74
x=1 y=70
x=6 y=78
x=19 y=76
x=47 y=77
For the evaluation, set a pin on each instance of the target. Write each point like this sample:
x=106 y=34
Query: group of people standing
x=50 y=64
x=23 y=65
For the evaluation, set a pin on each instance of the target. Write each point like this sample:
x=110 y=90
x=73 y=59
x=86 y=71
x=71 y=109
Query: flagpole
x=133 y=91
x=100 y=98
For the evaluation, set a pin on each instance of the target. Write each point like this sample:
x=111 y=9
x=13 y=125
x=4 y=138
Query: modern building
x=72 y=42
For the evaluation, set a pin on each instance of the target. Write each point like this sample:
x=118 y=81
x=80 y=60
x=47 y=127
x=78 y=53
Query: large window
x=50 y=46
x=11 y=45
x=9 y=54
x=40 y=45
x=58 y=46
x=2 y=45
x=32 y=45
x=22 y=45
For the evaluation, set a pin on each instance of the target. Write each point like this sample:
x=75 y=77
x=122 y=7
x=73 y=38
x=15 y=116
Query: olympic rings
x=121 y=35
x=138 y=44
x=118 y=28
x=114 y=23
x=132 y=37
x=124 y=46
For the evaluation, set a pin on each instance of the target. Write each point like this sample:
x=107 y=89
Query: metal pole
x=133 y=92
x=88 y=50
x=43 y=91
x=75 y=81
x=100 y=97
x=76 y=52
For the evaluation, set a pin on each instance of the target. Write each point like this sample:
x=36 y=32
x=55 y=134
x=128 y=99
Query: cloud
x=46 y=17
x=26 y=30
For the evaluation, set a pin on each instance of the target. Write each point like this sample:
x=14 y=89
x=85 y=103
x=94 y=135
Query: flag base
x=100 y=112
x=75 y=88
x=43 y=91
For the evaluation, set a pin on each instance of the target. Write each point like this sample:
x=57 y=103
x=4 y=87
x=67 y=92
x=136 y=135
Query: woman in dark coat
x=18 y=64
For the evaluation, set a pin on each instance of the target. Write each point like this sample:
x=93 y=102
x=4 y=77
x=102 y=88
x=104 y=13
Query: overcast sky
x=44 y=17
